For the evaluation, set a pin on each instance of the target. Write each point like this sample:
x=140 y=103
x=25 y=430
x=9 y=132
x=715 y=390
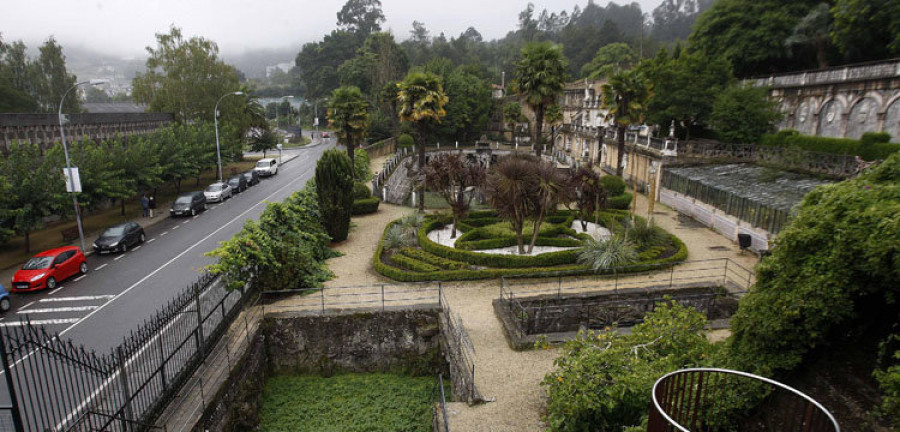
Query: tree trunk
x=538 y=128
x=620 y=143
x=453 y=231
x=351 y=147
x=537 y=229
x=421 y=170
x=519 y=239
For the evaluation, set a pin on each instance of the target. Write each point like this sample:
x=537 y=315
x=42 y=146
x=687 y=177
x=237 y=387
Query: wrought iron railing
x=707 y=399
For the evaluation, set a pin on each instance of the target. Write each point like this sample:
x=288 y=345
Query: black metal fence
x=462 y=354
x=56 y=385
x=439 y=419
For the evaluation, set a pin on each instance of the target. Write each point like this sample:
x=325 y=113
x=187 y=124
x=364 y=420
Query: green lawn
x=347 y=403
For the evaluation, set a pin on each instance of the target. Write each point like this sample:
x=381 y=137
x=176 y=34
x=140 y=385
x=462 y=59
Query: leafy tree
x=550 y=190
x=554 y=118
x=319 y=61
x=469 y=105
x=602 y=381
x=94 y=95
x=421 y=102
x=610 y=59
x=684 y=88
x=834 y=271
x=334 y=185
x=102 y=177
x=742 y=114
x=814 y=30
x=673 y=19
x=450 y=175
x=139 y=163
x=361 y=16
x=263 y=141
x=540 y=78
x=866 y=29
x=625 y=96
x=16 y=88
x=30 y=180
x=186 y=77
x=51 y=79
x=750 y=34
x=512 y=114
x=348 y=116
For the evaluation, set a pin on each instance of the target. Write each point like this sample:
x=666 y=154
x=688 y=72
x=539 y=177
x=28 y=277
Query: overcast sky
x=126 y=27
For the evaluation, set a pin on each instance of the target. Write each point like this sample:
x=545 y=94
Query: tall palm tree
x=348 y=115
x=625 y=96
x=421 y=102
x=540 y=78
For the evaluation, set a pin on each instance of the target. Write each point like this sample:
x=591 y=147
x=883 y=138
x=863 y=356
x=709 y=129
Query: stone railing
x=862 y=72
x=835 y=165
x=43 y=129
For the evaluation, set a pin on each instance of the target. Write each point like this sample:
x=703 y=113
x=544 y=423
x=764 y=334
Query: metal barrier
x=704 y=399
x=320 y=300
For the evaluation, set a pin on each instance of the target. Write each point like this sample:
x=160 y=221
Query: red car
x=49 y=267
x=324 y=134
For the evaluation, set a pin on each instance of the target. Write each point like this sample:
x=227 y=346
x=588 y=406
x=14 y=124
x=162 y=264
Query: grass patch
x=349 y=403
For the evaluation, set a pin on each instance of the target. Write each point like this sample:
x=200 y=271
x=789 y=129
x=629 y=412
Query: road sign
x=73 y=181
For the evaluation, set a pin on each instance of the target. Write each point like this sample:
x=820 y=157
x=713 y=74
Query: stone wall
x=236 y=406
x=391 y=341
x=43 y=129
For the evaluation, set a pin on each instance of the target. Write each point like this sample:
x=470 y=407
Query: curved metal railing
x=701 y=399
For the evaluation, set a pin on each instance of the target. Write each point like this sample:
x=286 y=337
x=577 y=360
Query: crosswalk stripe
x=77 y=298
x=57 y=310
x=41 y=322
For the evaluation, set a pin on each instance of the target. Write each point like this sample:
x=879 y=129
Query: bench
x=69 y=234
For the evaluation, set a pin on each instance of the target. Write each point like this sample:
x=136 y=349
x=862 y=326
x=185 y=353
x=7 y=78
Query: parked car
x=119 y=237
x=324 y=134
x=4 y=299
x=189 y=203
x=267 y=167
x=238 y=183
x=252 y=177
x=218 y=192
x=48 y=268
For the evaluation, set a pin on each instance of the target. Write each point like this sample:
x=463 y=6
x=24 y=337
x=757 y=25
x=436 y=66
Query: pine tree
x=334 y=184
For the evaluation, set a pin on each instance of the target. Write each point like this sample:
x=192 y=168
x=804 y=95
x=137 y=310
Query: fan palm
x=348 y=115
x=625 y=96
x=540 y=78
x=421 y=102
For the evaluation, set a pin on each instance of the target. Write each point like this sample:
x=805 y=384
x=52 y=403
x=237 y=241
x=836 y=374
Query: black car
x=252 y=177
x=119 y=238
x=238 y=183
x=188 y=204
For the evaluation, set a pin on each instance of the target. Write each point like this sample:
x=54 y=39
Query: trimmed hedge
x=433 y=259
x=413 y=264
x=614 y=185
x=875 y=146
x=365 y=206
x=620 y=202
x=361 y=191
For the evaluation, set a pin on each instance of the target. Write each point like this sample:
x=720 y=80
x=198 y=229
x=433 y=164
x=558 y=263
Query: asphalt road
x=121 y=291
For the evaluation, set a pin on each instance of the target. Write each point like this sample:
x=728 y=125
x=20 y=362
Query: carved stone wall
x=43 y=129
x=843 y=102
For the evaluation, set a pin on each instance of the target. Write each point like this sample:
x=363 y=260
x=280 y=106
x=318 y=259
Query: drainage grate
x=719 y=248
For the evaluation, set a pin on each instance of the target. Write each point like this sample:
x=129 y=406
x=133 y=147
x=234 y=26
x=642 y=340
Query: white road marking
x=41 y=322
x=78 y=278
x=164 y=233
x=55 y=291
x=176 y=227
x=132 y=250
x=187 y=221
x=77 y=298
x=23 y=307
x=98 y=268
x=151 y=240
x=119 y=257
x=59 y=310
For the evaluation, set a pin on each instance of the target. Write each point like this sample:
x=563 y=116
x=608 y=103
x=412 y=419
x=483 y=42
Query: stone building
x=841 y=102
x=583 y=117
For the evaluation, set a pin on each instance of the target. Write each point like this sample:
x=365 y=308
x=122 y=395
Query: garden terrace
x=427 y=260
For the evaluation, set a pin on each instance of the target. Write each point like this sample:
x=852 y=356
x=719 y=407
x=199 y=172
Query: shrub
x=361 y=191
x=398 y=237
x=365 y=206
x=361 y=169
x=609 y=253
x=620 y=202
x=334 y=184
x=405 y=140
x=870 y=138
x=413 y=264
x=614 y=185
x=644 y=235
x=602 y=381
x=872 y=147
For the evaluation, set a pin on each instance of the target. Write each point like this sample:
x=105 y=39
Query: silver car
x=217 y=192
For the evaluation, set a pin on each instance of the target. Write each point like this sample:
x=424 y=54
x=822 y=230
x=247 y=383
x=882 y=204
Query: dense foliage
x=348 y=116
x=871 y=147
x=37 y=84
x=742 y=114
x=352 y=403
x=334 y=187
x=285 y=249
x=602 y=381
x=540 y=78
x=834 y=270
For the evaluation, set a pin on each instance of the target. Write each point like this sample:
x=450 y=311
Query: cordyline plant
x=589 y=195
x=451 y=175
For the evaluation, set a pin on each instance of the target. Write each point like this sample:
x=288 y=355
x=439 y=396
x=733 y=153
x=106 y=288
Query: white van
x=267 y=167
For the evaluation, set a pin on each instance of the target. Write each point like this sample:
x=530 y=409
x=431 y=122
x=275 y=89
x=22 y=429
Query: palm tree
x=348 y=116
x=550 y=189
x=451 y=175
x=512 y=112
x=510 y=189
x=421 y=101
x=625 y=96
x=541 y=77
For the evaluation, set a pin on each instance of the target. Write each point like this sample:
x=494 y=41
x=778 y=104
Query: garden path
x=509 y=379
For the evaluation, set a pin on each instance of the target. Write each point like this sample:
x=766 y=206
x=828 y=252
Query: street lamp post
x=69 y=176
x=216 y=122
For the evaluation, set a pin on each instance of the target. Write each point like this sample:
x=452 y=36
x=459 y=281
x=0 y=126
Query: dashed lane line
x=164 y=233
x=151 y=240
x=29 y=304
x=98 y=268
x=78 y=278
x=118 y=257
x=137 y=247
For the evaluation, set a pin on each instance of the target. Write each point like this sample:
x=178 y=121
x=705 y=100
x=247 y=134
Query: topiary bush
x=405 y=140
x=873 y=146
x=334 y=185
x=361 y=191
x=621 y=202
x=365 y=206
x=614 y=185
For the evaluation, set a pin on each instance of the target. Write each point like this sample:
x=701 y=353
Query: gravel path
x=509 y=379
